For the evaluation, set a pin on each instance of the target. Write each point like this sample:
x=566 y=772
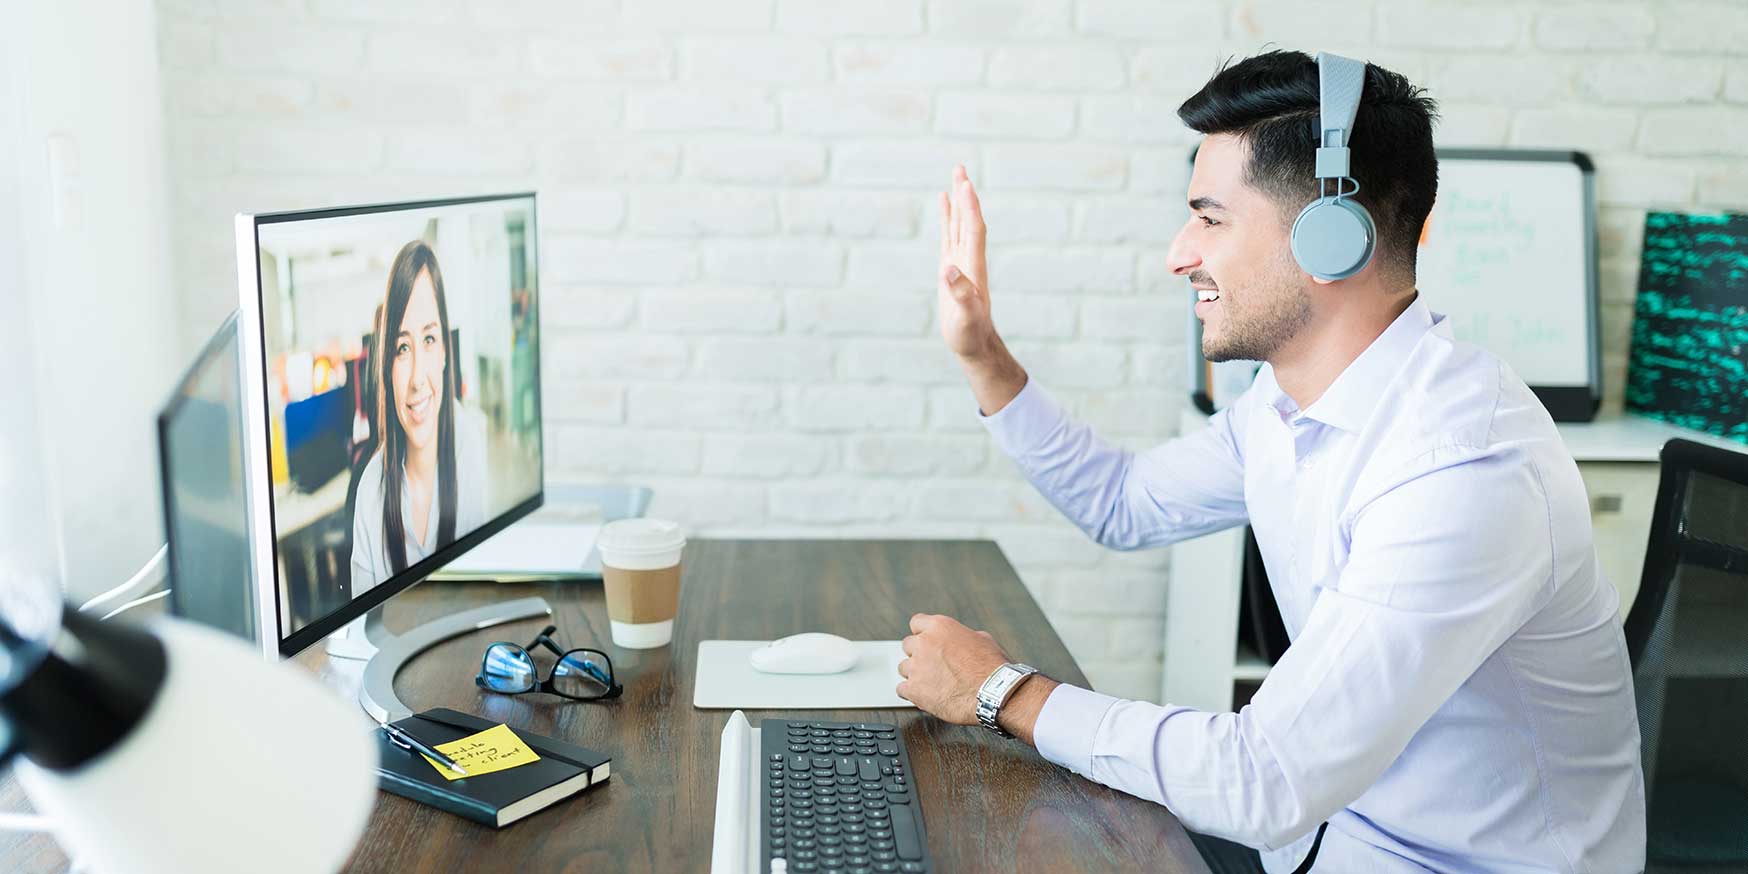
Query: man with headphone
x=1457 y=695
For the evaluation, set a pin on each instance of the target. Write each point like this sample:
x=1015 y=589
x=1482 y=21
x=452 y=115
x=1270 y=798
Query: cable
x=145 y=575
x=135 y=603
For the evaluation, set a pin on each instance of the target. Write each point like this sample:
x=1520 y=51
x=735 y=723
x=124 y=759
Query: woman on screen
x=424 y=485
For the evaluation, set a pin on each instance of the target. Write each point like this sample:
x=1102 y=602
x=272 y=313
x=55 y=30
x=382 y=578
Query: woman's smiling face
x=420 y=354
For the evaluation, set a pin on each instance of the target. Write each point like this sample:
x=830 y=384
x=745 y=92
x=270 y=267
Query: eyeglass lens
x=582 y=673
x=508 y=668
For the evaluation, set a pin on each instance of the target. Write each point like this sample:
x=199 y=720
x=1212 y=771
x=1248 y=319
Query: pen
x=406 y=741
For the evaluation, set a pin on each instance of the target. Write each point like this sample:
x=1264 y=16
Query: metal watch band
x=995 y=692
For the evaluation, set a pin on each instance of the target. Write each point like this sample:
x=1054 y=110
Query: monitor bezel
x=258 y=471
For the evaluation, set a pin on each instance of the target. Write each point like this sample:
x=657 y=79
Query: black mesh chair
x=1687 y=636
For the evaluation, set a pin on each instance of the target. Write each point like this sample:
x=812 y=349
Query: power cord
x=144 y=577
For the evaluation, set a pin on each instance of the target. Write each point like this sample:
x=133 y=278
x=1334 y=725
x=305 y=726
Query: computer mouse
x=808 y=653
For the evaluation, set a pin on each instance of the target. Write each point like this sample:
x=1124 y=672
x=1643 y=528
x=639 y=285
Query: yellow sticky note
x=495 y=749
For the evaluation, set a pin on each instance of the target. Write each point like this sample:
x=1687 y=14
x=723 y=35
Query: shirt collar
x=1348 y=402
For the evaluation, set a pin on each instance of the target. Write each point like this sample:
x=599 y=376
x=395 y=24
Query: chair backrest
x=1687 y=636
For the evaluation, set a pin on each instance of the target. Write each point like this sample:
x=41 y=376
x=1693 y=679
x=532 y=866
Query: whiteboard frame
x=1565 y=403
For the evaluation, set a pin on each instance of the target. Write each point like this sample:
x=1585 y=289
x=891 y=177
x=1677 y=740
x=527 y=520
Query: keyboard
x=838 y=798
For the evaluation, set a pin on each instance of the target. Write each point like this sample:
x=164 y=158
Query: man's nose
x=1182 y=257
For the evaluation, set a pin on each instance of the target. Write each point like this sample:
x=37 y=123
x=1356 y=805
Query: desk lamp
x=173 y=748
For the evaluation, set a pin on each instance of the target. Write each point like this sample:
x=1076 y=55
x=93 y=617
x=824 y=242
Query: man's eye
x=1207 y=222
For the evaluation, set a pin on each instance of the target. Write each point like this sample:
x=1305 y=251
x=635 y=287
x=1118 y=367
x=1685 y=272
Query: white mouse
x=808 y=653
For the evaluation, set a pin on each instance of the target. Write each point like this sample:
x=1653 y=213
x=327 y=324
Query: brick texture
x=739 y=226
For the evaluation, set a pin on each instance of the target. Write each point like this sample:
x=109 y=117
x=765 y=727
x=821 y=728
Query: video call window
x=402 y=389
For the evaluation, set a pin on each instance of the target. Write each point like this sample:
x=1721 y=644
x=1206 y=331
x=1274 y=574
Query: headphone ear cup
x=1333 y=239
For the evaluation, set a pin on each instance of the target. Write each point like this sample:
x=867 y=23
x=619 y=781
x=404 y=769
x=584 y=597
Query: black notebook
x=495 y=799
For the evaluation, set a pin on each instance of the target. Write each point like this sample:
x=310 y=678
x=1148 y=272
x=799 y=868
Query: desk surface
x=988 y=804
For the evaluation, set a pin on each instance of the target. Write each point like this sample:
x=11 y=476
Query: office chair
x=1687 y=638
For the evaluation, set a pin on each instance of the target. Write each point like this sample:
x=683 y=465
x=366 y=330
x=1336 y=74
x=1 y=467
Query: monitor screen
x=399 y=367
x=206 y=511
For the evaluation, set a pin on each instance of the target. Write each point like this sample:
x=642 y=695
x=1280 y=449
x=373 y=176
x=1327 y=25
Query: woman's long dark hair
x=414 y=258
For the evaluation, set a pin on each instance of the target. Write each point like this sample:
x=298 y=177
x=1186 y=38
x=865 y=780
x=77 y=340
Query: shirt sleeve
x=1444 y=567
x=1184 y=488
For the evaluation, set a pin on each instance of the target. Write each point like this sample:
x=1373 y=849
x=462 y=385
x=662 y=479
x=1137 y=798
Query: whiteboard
x=1508 y=254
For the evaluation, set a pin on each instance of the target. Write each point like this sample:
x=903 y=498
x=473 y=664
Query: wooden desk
x=988 y=804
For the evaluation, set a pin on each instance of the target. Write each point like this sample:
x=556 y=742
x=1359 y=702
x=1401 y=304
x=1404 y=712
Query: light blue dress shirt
x=1457 y=695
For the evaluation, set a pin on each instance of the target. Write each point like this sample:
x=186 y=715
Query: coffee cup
x=640 y=567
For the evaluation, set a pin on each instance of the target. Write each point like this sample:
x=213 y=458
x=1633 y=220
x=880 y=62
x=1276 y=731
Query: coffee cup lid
x=634 y=536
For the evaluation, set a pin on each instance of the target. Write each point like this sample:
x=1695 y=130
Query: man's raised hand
x=963 y=278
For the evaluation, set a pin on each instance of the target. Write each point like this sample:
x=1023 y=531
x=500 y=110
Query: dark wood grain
x=989 y=804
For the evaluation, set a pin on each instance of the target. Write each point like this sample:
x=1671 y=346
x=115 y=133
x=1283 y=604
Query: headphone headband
x=1339 y=83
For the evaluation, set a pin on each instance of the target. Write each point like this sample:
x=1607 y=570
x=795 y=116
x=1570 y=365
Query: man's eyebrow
x=1203 y=204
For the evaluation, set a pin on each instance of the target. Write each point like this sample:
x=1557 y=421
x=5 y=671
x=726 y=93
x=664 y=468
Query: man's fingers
x=921 y=622
x=946 y=225
x=906 y=645
x=973 y=207
x=986 y=636
x=904 y=669
x=904 y=690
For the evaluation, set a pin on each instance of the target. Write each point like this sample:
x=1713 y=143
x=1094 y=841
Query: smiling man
x=1457 y=695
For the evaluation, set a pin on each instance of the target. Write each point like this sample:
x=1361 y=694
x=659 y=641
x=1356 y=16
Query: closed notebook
x=496 y=799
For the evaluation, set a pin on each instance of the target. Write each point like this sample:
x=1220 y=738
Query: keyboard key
x=856 y=840
x=828 y=829
x=804 y=867
x=904 y=832
x=883 y=852
x=864 y=735
x=828 y=820
x=846 y=766
x=796 y=762
x=870 y=726
x=912 y=867
x=798 y=748
x=803 y=855
x=844 y=750
x=854 y=827
x=886 y=770
x=885 y=867
x=826 y=840
x=889 y=748
x=833 y=726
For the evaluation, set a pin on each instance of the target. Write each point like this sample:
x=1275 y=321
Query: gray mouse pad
x=726 y=680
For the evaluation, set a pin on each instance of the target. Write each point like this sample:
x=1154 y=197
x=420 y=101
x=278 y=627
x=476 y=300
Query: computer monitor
x=369 y=337
x=206 y=510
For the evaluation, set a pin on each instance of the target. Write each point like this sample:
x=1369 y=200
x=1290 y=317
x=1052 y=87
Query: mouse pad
x=726 y=680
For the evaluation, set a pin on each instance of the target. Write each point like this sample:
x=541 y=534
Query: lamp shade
x=235 y=764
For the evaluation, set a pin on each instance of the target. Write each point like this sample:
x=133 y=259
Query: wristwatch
x=995 y=692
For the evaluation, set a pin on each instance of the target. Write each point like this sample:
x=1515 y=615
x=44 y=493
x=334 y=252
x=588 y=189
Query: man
x=1457 y=696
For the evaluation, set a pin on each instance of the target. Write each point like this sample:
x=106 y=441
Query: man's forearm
x=995 y=377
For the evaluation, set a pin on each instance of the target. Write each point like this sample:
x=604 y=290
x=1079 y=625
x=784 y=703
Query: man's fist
x=946 y=664
x=963 y=278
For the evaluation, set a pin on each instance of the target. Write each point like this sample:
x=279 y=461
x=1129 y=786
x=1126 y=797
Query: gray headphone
x=1334 y=236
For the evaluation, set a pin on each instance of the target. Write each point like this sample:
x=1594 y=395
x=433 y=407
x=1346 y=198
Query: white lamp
x=173 y=748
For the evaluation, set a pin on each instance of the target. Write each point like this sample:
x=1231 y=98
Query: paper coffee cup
x=640 y=568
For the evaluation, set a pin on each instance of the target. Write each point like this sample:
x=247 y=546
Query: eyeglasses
x=580 y=674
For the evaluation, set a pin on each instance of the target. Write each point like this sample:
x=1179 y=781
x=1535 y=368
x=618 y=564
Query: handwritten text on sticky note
x=494 y=749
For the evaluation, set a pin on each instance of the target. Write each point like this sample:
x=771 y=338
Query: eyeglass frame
x=544 y=639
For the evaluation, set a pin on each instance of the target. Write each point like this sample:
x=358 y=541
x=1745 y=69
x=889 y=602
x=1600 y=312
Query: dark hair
x=1270 y=101
x=414 y=258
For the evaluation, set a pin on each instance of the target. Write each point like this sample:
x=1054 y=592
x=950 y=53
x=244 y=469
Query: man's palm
x=963 y=279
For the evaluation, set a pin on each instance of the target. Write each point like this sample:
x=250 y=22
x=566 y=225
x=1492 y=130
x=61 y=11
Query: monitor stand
x=388 y=652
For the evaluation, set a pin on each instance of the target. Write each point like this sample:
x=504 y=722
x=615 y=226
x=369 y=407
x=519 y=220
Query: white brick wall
x=738 y=216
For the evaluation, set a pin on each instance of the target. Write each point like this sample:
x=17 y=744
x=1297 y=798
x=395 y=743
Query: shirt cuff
x=1067 y=725
x=1025 y=422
